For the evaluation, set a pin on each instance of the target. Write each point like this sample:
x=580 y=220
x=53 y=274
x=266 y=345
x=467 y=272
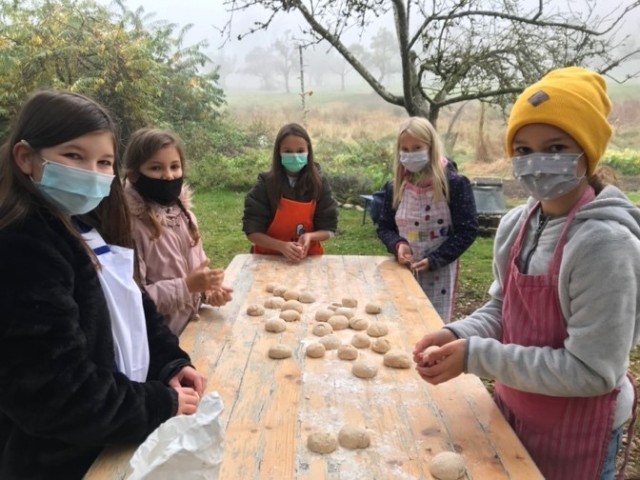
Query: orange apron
x=291 y=220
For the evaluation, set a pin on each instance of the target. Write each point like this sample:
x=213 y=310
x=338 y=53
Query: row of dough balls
x=350 y=436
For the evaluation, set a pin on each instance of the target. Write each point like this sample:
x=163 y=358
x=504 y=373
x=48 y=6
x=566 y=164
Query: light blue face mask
x=294 y=162
x=73 y=190
x=415 y=161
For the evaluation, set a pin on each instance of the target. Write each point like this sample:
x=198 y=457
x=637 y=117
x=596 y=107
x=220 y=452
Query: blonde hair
x=422 y=130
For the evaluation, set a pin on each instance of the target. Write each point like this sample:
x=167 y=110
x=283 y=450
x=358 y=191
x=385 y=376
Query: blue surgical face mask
x=547 y=176
x=415 y=161
x=294 y=162
x=73 y=190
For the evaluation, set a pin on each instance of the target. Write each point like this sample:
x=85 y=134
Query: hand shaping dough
x=274 y=302
x=322 y=442
x=347 y=352
x=280 y=351
x=290 y=315
x=321 y=329
x=397 y=358
x=338 y=322
x=275 y=325
x=291 y=294
x=315 y=350
x=360 y=340
x=372 y=308
x=293 y=305
x=306 y=297
x=255 y=310
x=377 y=329
x=430 y=350
x=447 y=466
x=353 y=436
x=324 y=314
x=358 y=323
x=349 y=302
x=381 y=345
x=330 y=342
x=364 y=369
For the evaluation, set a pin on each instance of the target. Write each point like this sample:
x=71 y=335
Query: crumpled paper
x=188 y=447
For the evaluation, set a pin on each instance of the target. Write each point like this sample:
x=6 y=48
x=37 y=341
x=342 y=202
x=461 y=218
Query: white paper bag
x=188 y=447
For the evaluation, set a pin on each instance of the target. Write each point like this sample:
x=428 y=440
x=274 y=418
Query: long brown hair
x=309 y=180
x=49 y=118
x=144 y=144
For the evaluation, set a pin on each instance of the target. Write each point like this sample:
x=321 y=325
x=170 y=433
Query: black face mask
x=164 y=192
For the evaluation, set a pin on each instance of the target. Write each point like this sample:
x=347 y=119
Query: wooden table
x=272 y=405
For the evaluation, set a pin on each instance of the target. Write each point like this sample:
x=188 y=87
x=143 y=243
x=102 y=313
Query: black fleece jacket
x=61 y=398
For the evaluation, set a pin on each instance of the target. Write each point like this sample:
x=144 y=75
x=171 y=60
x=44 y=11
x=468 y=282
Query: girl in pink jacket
x=173 y=265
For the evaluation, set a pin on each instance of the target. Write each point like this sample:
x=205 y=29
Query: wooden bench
x=271 y=406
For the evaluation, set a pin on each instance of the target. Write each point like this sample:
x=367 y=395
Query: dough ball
x=322 y=442
x=279 y=290
x=347 y=312
x=321 y=329
x=364 y=369
x=274 y=302
x=354 y=436
x=275 y=325
x=372 y=308
x=279 y=351
x=357 y=323
x=381 y=345
x=291 y=294
x=270 y=287
x=338 y=322
x=431 y=350
x=349 y=302
x=447 y=466
x=324 y=314
x=377 y=329
x=315 y=350
x=334 y=306
x=347 y=352
x=360 y=340
x=330 y=342
x=397 y=358
x=293 y=305
x=306 y=297
x=290 y=315
x=255 y=310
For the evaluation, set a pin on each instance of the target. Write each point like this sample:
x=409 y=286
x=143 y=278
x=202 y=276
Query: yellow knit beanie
x=572 y=99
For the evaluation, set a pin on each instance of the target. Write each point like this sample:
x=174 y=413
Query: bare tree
x=384 y=54
x=457 y=50
x=286 y=57
x=260 y=63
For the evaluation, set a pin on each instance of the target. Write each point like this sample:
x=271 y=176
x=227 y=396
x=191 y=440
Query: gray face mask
x=547 y=176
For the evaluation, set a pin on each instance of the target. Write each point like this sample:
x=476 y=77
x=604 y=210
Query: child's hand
x=188 y=400
x=437 y=338
x=405 y=255
x=204 y=278
x=419 y=266
x=305 y=242
x=218 y=296
x=292 y=251
x=450 y=364
x=189 y=377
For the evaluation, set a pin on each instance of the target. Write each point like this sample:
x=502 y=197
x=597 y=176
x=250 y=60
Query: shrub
x=624 y=162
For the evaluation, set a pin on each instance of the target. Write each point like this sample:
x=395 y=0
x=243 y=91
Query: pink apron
x=567 y=437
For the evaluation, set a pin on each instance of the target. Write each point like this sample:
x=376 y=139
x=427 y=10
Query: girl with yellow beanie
x=565 y=305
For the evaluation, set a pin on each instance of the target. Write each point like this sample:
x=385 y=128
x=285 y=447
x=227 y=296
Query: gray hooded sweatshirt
x=599 y=294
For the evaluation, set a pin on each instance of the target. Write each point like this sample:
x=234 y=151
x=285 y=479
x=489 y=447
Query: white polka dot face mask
x=547 y=176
